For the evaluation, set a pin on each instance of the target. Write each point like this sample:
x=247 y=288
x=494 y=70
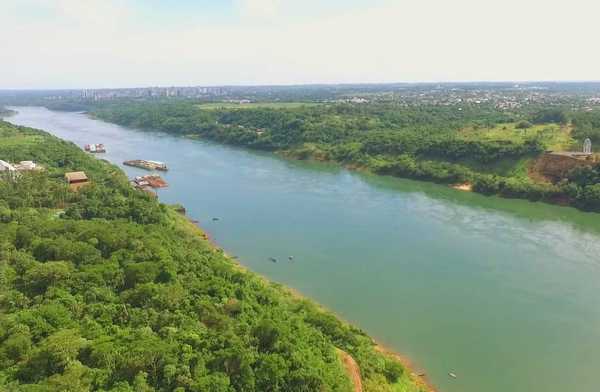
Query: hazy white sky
x=121 y=43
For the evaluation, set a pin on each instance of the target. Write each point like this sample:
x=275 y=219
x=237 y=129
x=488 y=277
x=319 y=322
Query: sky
x=130 y=43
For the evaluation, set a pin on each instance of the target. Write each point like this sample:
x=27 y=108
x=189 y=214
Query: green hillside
x=108 y=290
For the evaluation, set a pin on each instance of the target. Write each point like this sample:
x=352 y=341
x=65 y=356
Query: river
x=503 y=293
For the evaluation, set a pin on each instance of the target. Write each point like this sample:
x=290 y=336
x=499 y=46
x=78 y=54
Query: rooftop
x=76 y=176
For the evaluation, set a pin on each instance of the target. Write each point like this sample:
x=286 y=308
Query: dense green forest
x=587 y=125
x=5 y=112
x=106 y=289
x=490 y=149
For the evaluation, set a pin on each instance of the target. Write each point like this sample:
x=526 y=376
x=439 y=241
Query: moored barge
x=152 y=181
x=148 y=165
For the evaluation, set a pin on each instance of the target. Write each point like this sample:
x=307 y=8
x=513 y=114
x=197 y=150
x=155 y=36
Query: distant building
x=587 y=146
x=27 y=166
x=8 y=171
x=76 y=180
x=5 y=166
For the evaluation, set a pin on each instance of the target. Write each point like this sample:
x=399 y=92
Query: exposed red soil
x=352 y=369
x=554 y=167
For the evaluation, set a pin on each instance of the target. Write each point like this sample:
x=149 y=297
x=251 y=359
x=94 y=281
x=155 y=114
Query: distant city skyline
x=69 y=44
x=325 y=84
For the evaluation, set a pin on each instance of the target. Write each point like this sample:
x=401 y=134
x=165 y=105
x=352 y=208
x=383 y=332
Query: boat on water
x=148 y=165
x=95 y=148
x=151 y=181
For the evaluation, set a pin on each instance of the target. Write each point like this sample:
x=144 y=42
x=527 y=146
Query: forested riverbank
x=491 y=150
x=5 y=112
x=107 y=289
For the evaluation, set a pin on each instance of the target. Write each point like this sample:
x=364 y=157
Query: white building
x=5 y=166
x=26 y=165
x=8 y=171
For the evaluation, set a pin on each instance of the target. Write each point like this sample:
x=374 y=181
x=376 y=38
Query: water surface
x=504 y=293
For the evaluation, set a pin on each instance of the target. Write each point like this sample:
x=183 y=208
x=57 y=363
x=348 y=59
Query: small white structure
x=6 y=167
x=587 y=146
x=26 y=166
x=8 y=171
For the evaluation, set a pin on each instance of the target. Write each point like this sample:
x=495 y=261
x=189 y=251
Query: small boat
x=452 y=375
x=215 y=219
x=273 y=259
x=94 y=148
x=290 y=258
x=151 y=181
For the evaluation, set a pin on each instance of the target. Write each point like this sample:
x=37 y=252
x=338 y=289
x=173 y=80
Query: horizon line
x=324 y=84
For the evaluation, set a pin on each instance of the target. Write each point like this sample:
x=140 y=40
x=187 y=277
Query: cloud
x=104 y=44
x=259 y=9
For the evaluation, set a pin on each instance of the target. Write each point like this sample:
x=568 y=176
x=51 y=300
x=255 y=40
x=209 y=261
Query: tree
x=267 y=334
x=53 y=355
x=393 y=370
x=550 y=116
x=523 y=124
x=589 y=197
x=271 y=372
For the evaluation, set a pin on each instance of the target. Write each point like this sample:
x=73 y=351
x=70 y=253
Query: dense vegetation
x=108 y=290
x=477 y=144
x=587 y=125
x=4 y=112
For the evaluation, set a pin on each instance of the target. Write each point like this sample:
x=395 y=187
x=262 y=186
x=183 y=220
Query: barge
x=149 y=181
x=148 y=165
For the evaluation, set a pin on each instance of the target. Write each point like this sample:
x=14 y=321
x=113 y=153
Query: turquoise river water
x=503 y=293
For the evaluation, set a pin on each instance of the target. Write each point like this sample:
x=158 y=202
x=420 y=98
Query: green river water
x=503 y=293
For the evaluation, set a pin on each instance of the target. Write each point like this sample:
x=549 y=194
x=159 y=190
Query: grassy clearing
x=255 y=105
x=507 y=167
x=18 y=140
x=554 y=136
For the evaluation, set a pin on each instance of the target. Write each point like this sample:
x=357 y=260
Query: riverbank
x=412 y=373
x=464 y=180
x=465 y=187
x=493 y=158
x=322 y=158
x=4 y=113
x=417 y=374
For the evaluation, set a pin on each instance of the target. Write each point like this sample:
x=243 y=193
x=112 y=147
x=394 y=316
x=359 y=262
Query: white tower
x=587 y=146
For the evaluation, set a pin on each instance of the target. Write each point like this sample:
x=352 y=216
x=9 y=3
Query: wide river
x=503 y=293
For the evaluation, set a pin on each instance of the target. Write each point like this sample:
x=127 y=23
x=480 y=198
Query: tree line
x=423 y=142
